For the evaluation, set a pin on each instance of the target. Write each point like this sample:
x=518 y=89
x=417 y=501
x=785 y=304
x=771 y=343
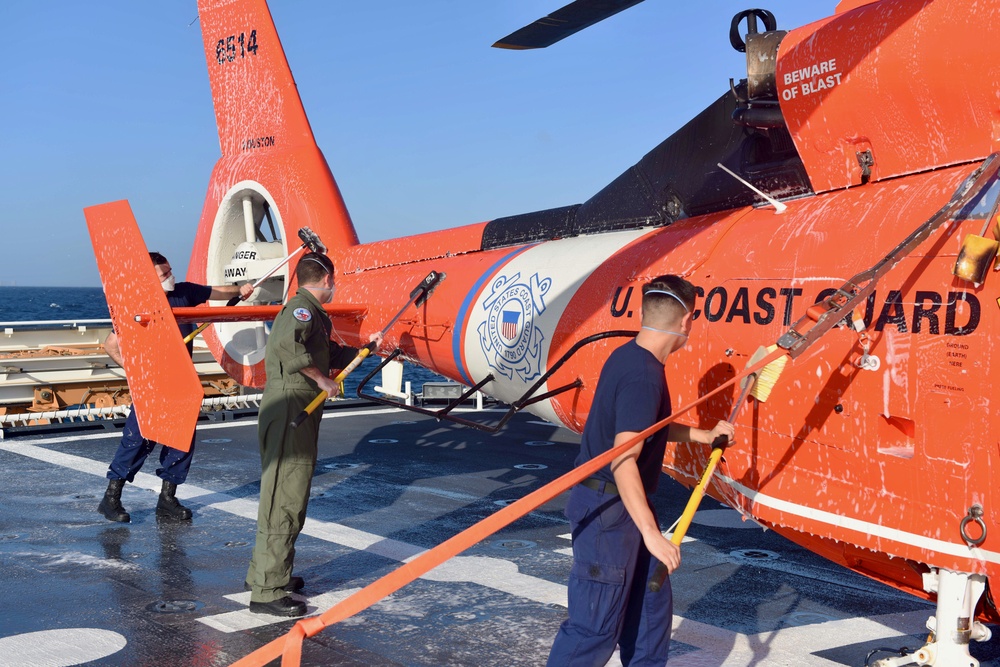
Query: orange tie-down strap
x=289 y=647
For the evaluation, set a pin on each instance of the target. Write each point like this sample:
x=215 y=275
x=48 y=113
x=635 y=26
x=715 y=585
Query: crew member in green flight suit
x=298 y=361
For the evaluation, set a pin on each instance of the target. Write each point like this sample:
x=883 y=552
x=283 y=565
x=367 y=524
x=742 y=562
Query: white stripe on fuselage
x=864 y=527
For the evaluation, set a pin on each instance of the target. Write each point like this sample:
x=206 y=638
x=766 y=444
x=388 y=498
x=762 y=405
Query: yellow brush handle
x=660 y=573
x=190 y=337
x=720 y=443
x=696 y=495
x=318 y=401
x=362 y=355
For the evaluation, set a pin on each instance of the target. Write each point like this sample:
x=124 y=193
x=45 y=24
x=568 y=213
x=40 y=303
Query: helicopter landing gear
x=954 y=624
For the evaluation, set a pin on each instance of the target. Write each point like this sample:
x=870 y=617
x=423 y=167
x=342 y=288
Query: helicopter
x=840 y=203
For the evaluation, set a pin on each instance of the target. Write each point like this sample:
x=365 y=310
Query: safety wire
x=289 y=647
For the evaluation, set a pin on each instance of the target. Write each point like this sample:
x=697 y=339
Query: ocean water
x=25 y=304
x=31 y=304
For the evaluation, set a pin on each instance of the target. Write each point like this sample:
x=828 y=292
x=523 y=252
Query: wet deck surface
x=79 y=590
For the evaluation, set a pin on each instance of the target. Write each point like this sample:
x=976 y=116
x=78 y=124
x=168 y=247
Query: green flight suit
x=300 y=337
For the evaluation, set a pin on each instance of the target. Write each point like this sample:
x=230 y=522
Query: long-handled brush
x=759 y=385
x=309 y=240
x=418 y=295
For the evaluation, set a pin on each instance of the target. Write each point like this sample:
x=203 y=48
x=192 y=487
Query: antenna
x=778 y=206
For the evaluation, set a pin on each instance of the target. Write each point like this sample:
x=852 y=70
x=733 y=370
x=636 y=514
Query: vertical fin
x=257 y=105
x=265 y=137
x=269 y=158
x=164 y=385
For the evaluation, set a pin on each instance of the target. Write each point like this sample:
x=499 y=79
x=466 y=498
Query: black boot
x=167 y=506
x=111 y=504
x=286 y=606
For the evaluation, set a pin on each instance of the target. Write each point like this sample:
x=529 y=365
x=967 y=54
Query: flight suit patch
x=302 y=314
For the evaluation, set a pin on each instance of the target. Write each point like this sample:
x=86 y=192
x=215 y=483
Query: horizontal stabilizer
x=201 y=314
x=165 y=388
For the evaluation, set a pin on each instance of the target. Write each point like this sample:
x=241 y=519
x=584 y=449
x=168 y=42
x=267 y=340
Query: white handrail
x=56 y=324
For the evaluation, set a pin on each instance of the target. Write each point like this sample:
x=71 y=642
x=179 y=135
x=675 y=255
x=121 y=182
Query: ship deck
x=79 y=590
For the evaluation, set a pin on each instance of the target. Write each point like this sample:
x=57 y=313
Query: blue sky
x=425 y=127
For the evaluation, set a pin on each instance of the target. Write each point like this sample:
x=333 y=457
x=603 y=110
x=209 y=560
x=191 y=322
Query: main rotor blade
x=562 y=23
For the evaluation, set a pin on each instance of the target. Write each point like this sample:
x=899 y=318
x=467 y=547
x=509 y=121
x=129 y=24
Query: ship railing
x=86 y=414
x=49 y=324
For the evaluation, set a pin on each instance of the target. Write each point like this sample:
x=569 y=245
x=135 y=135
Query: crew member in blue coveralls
x=616 y=536
x=133 y=448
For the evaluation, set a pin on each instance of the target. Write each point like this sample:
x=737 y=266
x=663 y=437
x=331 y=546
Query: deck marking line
x=501 y=575
x=718 y=646
x=733 y=649
x=327 y=531
x=244 y=619
x=62 y=647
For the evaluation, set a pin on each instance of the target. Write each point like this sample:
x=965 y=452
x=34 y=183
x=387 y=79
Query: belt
x=600 y=485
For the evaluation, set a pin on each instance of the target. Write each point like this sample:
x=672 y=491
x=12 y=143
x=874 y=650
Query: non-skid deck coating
x=79 y=590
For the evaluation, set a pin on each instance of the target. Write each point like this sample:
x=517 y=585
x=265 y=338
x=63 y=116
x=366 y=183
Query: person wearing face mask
x=298 y=362
x=616 y=536
x=133 y=448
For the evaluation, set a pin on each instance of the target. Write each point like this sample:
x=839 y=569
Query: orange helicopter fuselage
x=890 y=106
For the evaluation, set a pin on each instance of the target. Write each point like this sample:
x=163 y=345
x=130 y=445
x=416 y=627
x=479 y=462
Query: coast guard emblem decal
x=508 y=337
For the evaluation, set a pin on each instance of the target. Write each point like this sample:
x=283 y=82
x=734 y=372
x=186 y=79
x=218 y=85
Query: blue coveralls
x=133 y=448
x=609 y=603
